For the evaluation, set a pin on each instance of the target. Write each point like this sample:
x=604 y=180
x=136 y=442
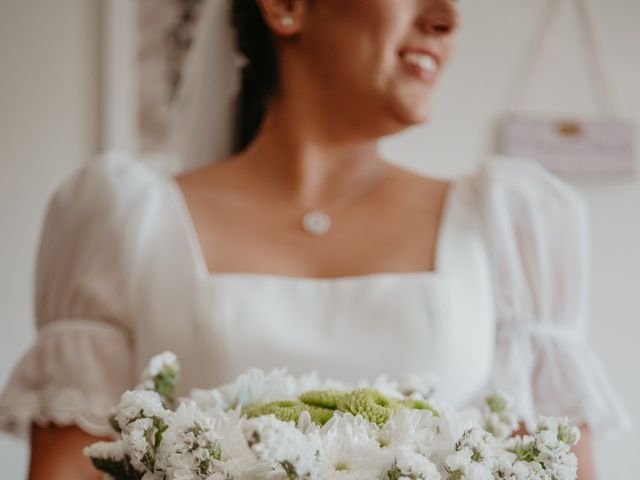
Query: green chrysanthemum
x=322 y=398
x=371 y=404
x=288 y=411
x=419 y=405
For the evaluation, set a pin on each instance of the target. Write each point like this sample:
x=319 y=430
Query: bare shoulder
x=222 y=173
x=217 y=187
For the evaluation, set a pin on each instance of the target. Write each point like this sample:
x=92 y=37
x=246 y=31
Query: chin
x=398 y=124
x=418 y=118
x=411 y=115
x=398 y=115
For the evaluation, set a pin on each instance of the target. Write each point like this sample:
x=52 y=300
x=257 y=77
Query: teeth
x=424 y=61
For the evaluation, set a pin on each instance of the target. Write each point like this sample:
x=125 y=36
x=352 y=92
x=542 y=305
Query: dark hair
x=260 y=80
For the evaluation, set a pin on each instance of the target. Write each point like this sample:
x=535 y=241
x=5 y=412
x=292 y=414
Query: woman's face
x=380 y=58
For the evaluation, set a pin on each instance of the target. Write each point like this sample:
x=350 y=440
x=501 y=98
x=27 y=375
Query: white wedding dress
x=121 y=277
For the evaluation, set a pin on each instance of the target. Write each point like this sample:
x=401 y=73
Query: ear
x=284 y=17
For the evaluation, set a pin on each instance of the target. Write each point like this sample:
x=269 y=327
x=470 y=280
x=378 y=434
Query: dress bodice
x=346 y=328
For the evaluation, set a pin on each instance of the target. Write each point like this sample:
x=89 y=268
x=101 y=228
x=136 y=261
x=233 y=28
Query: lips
x=420 y=62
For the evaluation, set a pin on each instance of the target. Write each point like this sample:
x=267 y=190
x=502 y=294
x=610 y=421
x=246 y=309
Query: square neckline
x=200 y=263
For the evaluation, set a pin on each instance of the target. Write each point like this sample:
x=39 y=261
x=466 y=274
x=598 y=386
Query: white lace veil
x=203 y=113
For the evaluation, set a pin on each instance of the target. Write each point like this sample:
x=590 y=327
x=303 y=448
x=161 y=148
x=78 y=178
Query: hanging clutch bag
x=567 y=146
x=600 y=145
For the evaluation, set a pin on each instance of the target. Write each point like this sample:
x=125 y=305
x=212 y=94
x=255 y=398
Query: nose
x=438 y=17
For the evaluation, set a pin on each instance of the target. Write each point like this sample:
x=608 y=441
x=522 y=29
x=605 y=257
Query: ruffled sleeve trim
x=61 y=407
x=551 y=370
x=73 y=375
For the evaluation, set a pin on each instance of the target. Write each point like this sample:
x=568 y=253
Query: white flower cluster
x=141 y=420
x=191 y=445
x=543 y=456
x=547 y=454
x=161 y=376
x=499 y=419
x=386 y=433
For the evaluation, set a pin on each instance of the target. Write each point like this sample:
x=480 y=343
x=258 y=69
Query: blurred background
x=70 y=72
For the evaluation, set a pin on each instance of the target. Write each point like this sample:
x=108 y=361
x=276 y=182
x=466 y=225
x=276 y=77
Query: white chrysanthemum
x=343 y=455
x=448 y=427
x=306 y=425
x=238 y=461
x=383 y=384
x=254 y=386
x=416 y=386
x=278 y=442
x=415 y=466
x=354 y=426
x=229 y=426
x=407 y=428
x=312 y=381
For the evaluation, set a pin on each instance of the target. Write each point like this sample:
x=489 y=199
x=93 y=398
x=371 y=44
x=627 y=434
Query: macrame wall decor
x=598 y=145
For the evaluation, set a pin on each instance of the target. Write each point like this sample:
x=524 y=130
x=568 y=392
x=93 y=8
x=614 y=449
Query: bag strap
x=602 y=83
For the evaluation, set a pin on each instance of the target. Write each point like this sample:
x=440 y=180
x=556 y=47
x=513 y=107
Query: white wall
x=49 y=125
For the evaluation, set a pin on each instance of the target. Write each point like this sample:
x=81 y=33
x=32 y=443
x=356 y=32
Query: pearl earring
x=286 y=21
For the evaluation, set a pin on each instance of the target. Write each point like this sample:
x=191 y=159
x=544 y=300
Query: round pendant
x=316 y=223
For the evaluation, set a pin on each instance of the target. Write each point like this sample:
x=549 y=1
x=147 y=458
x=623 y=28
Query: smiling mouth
x=421 y=64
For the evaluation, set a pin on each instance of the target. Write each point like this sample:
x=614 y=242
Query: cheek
x=448 y=47
x=358 y=37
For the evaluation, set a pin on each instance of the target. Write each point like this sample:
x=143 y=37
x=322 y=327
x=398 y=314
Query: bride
x=304 y=247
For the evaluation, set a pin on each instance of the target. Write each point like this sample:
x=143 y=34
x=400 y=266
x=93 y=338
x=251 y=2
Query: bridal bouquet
x=275 y=426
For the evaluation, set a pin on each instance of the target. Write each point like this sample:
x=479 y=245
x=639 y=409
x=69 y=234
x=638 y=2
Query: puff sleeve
x=81 y=360
x=538 y=234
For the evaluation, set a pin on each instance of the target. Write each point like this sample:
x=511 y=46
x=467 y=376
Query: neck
x=314 y=164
